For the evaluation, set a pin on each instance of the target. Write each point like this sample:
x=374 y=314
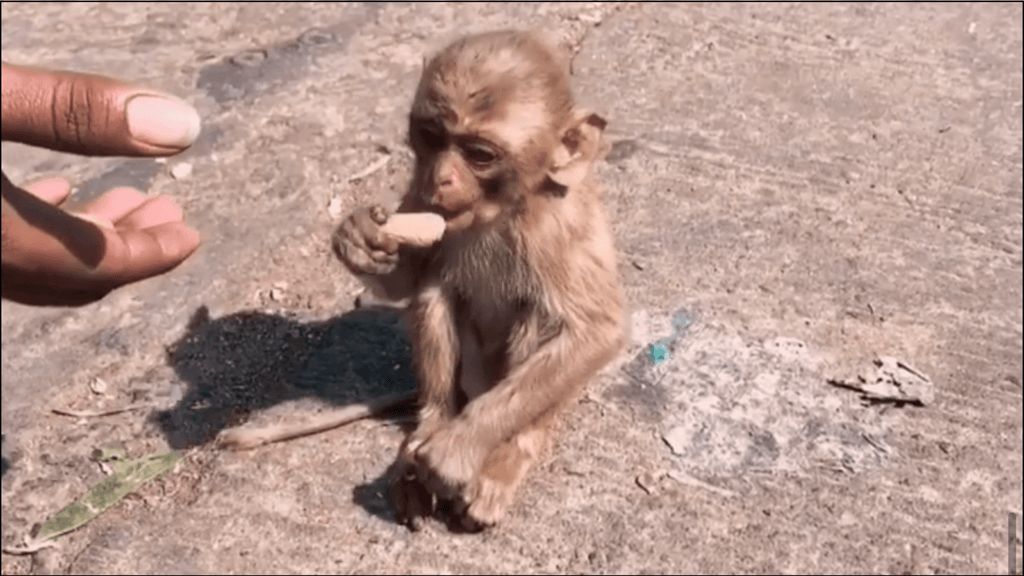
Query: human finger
x=53 y=190
x=151 y=251
x=92 y=115
x=42 y=273
x=115 y=204
x=153 y=212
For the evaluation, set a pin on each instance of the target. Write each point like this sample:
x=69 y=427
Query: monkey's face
x=486 y=126
x=462 y=174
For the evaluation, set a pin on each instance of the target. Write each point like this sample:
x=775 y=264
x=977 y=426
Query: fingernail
x=163 y=122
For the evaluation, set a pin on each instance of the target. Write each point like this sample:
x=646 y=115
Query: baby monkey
x=518 y=305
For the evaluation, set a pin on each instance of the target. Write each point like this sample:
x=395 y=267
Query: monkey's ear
x=580 y=145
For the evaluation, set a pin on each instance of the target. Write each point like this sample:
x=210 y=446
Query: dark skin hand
x=55 y=257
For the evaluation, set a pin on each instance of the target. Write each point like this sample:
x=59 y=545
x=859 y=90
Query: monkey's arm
x=545 y=382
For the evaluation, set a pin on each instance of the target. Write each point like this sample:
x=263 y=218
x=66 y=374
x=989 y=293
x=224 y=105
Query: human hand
x=54 y=257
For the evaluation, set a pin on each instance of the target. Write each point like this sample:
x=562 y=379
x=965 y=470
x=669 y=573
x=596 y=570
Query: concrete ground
x=796 y=190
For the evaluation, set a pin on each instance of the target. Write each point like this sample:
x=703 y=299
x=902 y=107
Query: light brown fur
x=519 y=305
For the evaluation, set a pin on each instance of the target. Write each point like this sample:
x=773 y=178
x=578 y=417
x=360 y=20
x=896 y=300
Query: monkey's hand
x=363 y=246
x=448 y=462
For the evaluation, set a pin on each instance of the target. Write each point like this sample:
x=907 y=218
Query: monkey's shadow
x=250 y=361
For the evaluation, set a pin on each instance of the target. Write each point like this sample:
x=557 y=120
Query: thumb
x=92 y=115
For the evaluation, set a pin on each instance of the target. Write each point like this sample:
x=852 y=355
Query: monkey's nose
x=441 y=204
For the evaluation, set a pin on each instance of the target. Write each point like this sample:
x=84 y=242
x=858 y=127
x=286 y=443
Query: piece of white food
x=418 y=229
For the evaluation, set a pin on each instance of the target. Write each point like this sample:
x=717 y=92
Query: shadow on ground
x=250 y=361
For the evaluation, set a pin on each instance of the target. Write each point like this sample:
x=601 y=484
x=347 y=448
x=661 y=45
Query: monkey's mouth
x=457 y=220
x=448 y=215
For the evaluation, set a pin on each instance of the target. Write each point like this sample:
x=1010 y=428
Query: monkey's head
x=493 y=123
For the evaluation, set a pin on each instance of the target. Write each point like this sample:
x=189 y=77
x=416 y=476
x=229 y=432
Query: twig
x=245 y=439
x=912 y=370
x=91 y=414
x=30 y=547
x=875 y=443
x=684 y=478
x=380 y=163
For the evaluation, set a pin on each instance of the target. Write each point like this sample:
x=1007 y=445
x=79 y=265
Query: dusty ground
x=800 y=188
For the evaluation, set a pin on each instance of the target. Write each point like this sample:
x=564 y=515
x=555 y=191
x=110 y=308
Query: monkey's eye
x=432 y=137
x=479 y=154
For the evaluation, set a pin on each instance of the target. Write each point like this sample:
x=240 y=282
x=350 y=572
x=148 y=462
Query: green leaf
x=129 y=475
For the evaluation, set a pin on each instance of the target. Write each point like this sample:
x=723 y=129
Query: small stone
x=677 y=439
x=181 y=171
x=646 y=482
x=334 y=208
x=98 y=386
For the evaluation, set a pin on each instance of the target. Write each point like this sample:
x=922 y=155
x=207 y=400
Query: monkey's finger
x=377 y=268
x=469 y=524
x=349 y=246
x=368 y=224
x=384 y=258
x=379 y=214
x=375 y=239
x=92 y=115
x=361 y=261
x=353 y=232
x=386 y=243
x=460 y=504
